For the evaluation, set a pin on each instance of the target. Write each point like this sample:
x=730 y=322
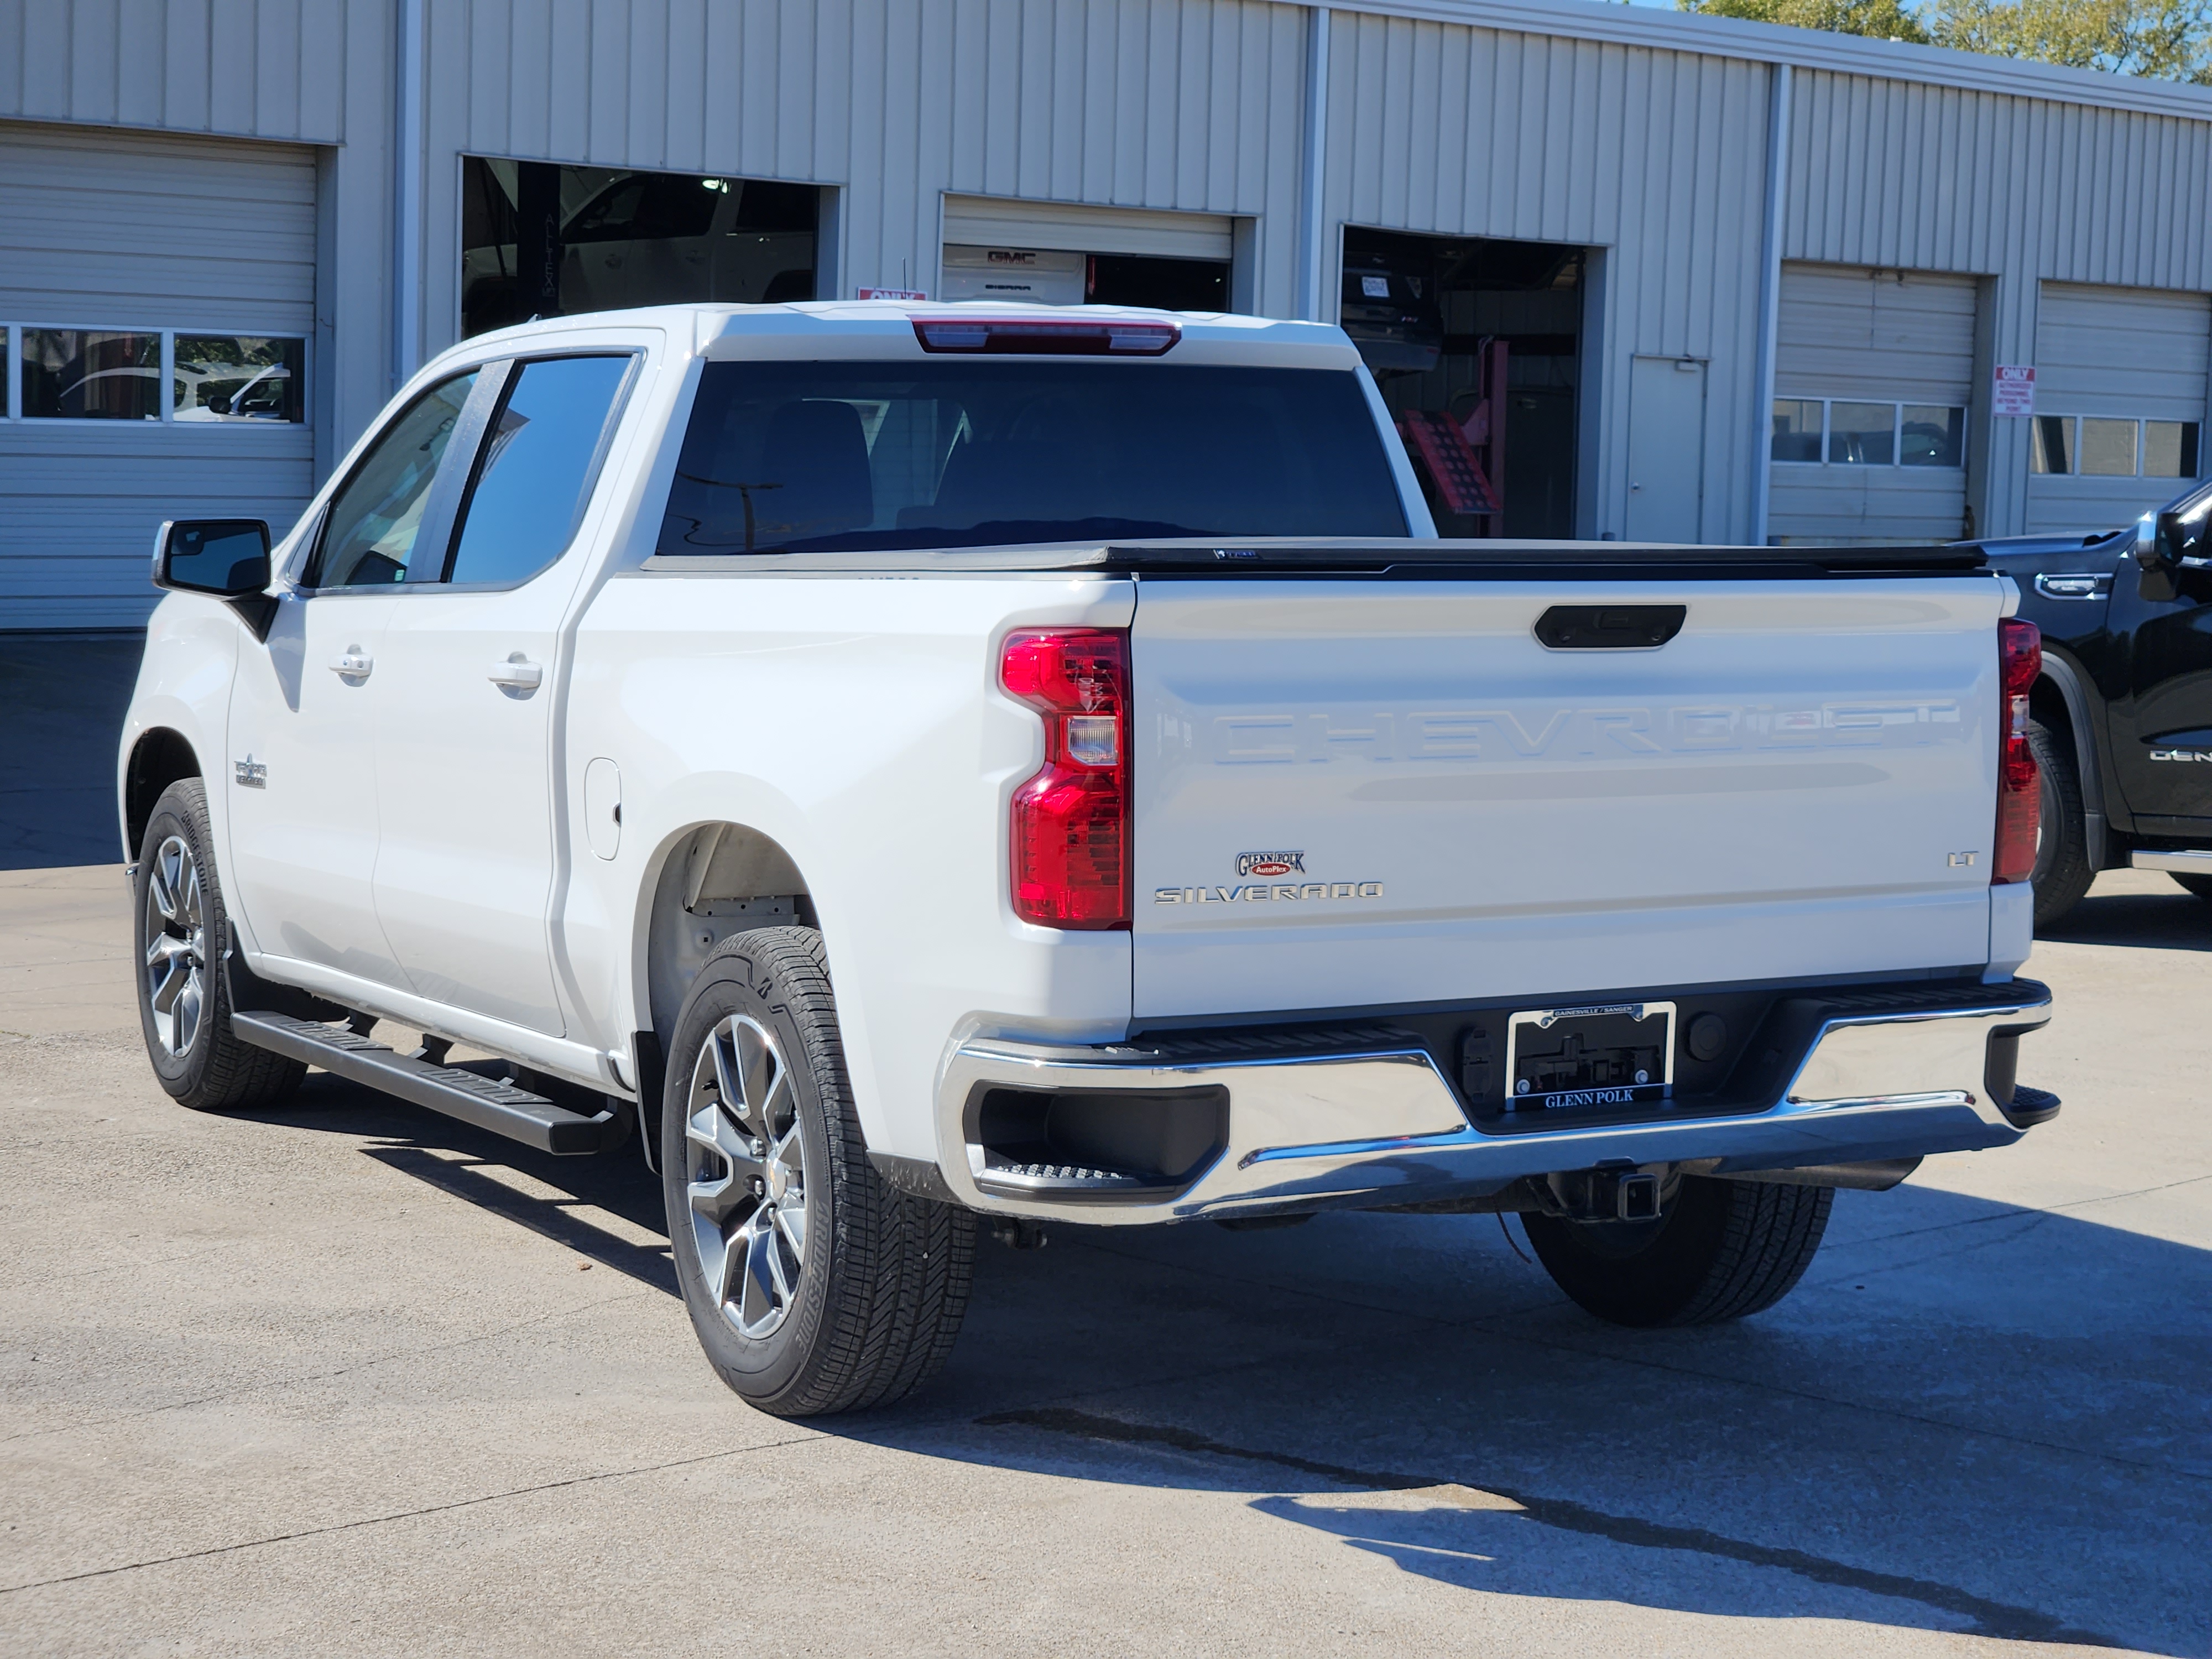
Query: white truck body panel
x=1776 y=793
x=857 y=724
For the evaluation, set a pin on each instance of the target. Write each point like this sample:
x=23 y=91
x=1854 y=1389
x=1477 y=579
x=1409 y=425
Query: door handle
x=354 y=664
x=517 y=674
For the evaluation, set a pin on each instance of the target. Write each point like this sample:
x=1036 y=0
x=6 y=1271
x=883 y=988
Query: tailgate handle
x=1609 y=627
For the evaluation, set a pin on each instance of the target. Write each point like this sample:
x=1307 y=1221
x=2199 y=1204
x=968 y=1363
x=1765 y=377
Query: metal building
x=1666 y=276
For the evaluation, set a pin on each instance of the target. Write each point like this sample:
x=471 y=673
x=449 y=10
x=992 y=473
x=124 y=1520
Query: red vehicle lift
x=1465 y=459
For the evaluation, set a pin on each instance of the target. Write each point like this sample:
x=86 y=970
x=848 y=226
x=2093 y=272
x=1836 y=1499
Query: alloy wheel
x=176 y=947
x=745 y=1175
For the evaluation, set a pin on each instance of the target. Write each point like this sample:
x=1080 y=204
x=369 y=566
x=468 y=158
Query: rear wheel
x=184 y=995
x=1723 y=1249
x=2062 y=873
x=813 y=1284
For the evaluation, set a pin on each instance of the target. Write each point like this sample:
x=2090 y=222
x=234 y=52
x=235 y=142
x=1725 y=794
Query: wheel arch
x=704 y=882
x=161 y=755
x=2060 y=699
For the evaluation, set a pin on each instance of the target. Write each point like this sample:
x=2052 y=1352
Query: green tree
x=1884 y=20
x=2169 y=39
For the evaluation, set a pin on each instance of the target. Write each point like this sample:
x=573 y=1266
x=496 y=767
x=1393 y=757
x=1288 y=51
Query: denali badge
x=2181 y=755
x=252 y=773
x=1270 y=864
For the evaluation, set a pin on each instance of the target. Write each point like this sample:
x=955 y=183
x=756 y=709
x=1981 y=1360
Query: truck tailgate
x=1364 y=792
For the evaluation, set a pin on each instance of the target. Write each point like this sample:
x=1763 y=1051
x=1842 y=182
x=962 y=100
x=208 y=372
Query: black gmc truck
x=2123 y=714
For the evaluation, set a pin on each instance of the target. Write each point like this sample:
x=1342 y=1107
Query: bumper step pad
x=486 y=1103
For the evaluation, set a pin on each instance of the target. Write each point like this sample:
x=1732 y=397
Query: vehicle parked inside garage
x=925 y=763
x=2122 y=714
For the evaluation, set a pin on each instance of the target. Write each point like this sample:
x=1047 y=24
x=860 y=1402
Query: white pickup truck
x=913 y=763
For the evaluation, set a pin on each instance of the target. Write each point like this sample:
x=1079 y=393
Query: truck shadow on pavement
x=1971 y=1418
x=2170 y=921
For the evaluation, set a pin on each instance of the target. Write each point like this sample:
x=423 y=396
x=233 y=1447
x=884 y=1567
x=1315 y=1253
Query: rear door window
x=823 y=456
x=538 y=462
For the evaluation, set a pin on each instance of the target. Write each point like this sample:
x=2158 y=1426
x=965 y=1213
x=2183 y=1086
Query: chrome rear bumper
x=1380 y=1125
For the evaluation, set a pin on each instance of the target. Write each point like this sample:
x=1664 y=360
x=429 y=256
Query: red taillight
x=1048 y=336
x=1070 y=841
x=2020 y=790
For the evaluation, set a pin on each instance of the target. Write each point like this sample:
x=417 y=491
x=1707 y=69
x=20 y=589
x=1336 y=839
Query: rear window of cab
x=836 y=457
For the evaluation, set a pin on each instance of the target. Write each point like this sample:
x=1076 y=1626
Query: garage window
x=1932 y=435
x=1798 y=425
x=2104 y=446
x=1851 y=432
x=91 y=374
x=236 y=377
x=116 y=374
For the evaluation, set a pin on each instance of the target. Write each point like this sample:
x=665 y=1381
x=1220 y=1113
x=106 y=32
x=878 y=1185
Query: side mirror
x=2146 y=547
x=224 y=558
x=2157 y=555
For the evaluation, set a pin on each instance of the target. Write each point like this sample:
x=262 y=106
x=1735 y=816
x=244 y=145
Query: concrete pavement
x=351 y=1377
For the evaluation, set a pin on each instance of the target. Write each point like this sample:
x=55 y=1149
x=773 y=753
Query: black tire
x=865 y=1307
x=2062 y=873
x=2201 y=886
x=179 y=932
x=1723 y=1249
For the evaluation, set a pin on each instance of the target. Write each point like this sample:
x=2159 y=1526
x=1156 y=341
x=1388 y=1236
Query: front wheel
x=1723 y=1249
x=184 y=994
x=813 y=1284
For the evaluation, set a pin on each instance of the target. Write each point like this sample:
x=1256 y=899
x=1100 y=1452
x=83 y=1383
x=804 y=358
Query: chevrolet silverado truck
x=925 y=769
x=2121 y=713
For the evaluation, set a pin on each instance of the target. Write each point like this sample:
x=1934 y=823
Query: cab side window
x=369 y=534
x=536 y=469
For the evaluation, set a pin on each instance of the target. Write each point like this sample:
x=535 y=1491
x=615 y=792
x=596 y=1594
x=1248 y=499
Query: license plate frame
x=1534 y=1046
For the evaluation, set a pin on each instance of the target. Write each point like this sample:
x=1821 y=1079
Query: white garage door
x=158 y=294
x=998 y=248
x=2120 y=403
x=1873 y=371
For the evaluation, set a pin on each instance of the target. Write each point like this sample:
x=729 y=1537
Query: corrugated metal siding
x=2130 y=351
x=274 y=68
x=1173 y=104
x=2140 y=354
x=1654 y=157
x=125 y=228
x=82 y=500
x=998 y=223
x=1856 y=332
x=118 y=230
x=1886 y=336
x=1898 y=173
